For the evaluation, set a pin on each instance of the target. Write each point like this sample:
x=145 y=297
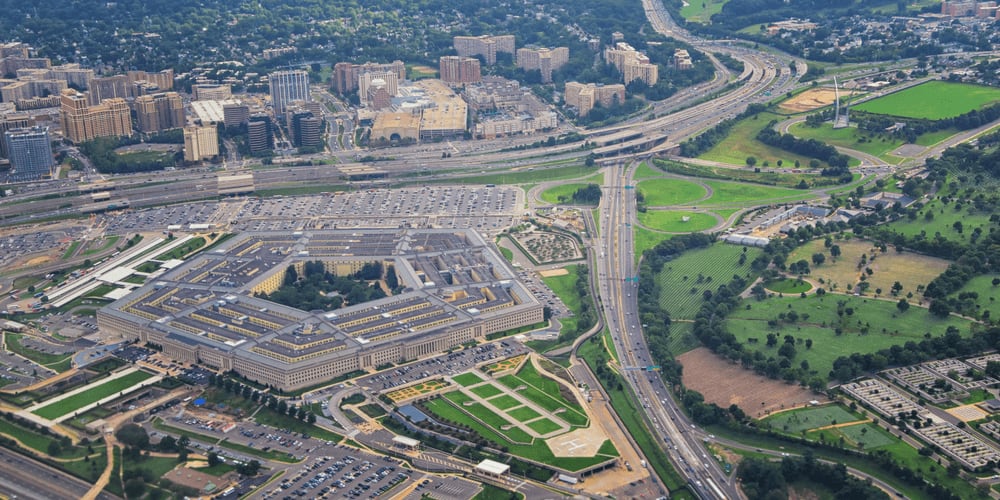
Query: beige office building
x=200 y=143
x=82 y=122
x=460 y=70
x=158 y=112
x=211 y=92
x=485 y=45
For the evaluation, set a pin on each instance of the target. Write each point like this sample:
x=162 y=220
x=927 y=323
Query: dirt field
x=809 y=100
x=725 y=383
x=909 y=269
x=553 y=272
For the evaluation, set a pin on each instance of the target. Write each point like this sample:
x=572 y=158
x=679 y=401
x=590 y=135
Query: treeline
x=763 y=478
x=811 y=148
x=709 y=138
x=588 y=195
x=950 y=345
x=915 y=128
x=586 y=317
x=248 y=393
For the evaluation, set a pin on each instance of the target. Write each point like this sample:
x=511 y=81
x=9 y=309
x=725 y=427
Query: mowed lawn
x=673 y=220
x=702 y=11
x=814 y=417
x=851 y=137
x=739 y=193
x=988 y=294
x=669 y=192
x=910 y=269
x=683 y=281
x=91 y=395
x=742 y=142
x=933 y=100
x=944 y=217
x=562 y=193
x=884 y=324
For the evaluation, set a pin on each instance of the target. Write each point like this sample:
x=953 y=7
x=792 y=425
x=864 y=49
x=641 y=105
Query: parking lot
x=157 y=219
x=346 y=476
x=13 y=247
x=445 y=364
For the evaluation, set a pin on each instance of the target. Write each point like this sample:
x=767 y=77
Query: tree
x=133 y=435
x=751 y=161
x=249 y=469
x=213 y=459
x=818 y=258
x=54 y=448
x=167 y=444
x=835 y=251
x=135 y=487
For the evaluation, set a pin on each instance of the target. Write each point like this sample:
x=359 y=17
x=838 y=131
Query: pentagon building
x=456 y=289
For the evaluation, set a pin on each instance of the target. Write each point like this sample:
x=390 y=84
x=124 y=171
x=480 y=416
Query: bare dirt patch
x=37 y=261
x=809 y=100
x=553 y=272
x=725 y=383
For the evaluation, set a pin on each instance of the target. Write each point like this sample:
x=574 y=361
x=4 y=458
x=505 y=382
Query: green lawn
x=858 y=436
x=944 y=218
x=546 y=393
x=684 y=279
x=673 y=221
x=646 y=171
x=504 y=402
x=741 y=193
x=38 y=441
x=466 y=379
x=71 y=249
x=565 y=288
x=795 y=421
x=486 y=391
x=525 y=176
x=787 y=286
x=91 y=395
x=562 y=193
x=851 y=137
x=766 y=176
x=490 y=492
x=884 y=324
x=988 y=294
x=523 y=414
x=742 y=143
x=182 y=251
x=457 y=413
x=644 y=239
x=702 y=11
x=544 y=426
x=933 y=100
x=668 y=192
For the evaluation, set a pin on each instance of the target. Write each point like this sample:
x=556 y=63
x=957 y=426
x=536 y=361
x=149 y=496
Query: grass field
x=787 y=286
x=860 y=436
x=872 y=325
x=488 y=416
x=701 y=12
x=91 y=395
x=646 y=171
x=545 y=393
x=644 y=239
x=467 y=379
x=944 y=218
x=562 y=193
x=765 y=176
x=669 y=192
x=933 y=100
x=544 y=426
x=742 y=142
x=486 y=391
x=910 y=269
x=851 y=137
x=523 y=414
x=741 y=193
x=795 y=421
x=673 y=221
x=504 y=402
x=988 y=294
x=38 y=441
x=184 y=250
x=565 y=288
x=700 y=270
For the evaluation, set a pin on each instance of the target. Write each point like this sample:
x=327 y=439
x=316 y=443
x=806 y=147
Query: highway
x=22 y=477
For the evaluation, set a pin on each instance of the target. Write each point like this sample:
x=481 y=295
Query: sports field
x=91 y=395
x=933 y=100
x=673 y=221
x=865 y=325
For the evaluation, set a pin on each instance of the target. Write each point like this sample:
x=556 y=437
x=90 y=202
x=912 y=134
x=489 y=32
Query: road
x=22 y=477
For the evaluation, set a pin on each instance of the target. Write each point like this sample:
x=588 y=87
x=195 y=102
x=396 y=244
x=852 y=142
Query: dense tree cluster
x=588 y=195
x=914 y=128
x=811 y=148
x=319 y=289
x=101 y=152
x=762 y=478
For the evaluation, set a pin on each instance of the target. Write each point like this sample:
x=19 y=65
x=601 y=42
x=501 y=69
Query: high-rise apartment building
x=82 y=122
x=144 y=82
x=288 y=86
x=633 y=65
x=200 y=143
x=584 y=96
x=107 y=88
x=460 y=70
x=682 y=60
x=545 y=60
x=30 y=88
x=345 y=74
x=485 y=45
x=30 y=153
x=387 y=79
x=158 y=112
